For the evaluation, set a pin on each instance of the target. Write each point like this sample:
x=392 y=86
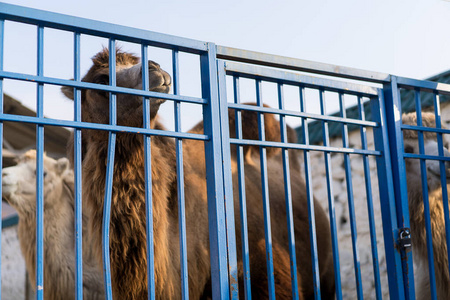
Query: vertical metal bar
x=228 y=181
x=393 y=123
x=77 y=174
x=351 y=204
x=109 y=172
x=437 y=112
x=40 y=170
x=288 y=196
x=370 y=211
x=180 y=181
x=265 y=194
x=426 y=202
x=242 y=197
x=331 y=208
x=2 y=34
x=148 y=178
x=214 y=176
x=387 y=193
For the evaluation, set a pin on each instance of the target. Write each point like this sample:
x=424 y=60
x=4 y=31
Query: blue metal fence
x=231 y=272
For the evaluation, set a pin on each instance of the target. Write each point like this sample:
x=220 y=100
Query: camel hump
x=250 y=129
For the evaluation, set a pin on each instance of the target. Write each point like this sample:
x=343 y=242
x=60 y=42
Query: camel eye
x=409 y=149
x=102 y=79
x=45 y=173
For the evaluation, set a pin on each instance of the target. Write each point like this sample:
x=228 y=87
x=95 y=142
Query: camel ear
x=62 y=165
x=68 y=91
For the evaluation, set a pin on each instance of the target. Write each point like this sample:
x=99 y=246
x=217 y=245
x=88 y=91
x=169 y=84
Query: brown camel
x=128 y=237
x=416 y=208
x=19 y=189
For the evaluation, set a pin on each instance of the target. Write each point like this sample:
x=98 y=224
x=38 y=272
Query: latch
x=404 y=240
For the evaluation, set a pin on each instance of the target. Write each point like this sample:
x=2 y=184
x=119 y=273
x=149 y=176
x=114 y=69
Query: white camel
x=416 y=208
x=19 y=189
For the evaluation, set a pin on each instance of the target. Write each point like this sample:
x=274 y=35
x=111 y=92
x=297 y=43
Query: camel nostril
x=153 y=66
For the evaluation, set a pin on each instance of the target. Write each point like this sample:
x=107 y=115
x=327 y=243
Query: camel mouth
x=162 y=89
x=436 y=173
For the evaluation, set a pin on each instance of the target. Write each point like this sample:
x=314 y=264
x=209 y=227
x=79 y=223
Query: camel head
x=411 y=145
x=95 y=104
x=19 y=182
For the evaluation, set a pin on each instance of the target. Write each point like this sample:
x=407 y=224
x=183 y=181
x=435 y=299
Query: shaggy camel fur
x=128 y=237
x=280 y=237
x=416 y=208
x=19 y=189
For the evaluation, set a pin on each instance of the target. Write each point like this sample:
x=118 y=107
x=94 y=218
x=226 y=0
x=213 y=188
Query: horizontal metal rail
x=424 y=129
x=244 y=142
x=99 y=87
x=304 y=115
x=105 y=127
x=427 y=157
x=288 y=63
x=273 y=75
x=100 y=29
x=424 y=85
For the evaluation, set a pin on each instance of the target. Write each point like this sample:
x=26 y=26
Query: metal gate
x=377 y=100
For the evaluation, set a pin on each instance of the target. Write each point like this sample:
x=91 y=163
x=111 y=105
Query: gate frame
x=387 y=136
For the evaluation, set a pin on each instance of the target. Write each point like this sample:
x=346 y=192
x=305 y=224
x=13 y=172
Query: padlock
x=404 y=238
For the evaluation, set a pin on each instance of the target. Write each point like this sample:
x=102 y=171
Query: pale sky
x=406 y=38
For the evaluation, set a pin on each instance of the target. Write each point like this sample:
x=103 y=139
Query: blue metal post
x=2 y=34
x=442 y=167
x=426 y=202
x=228 y=181
x=148 y=178
x=180 y=181
x=265 y=194
x=214 y=180
x=387 y=198
x=77 y=174
x=40 y=170
x=351 y=204
x=288 y=196
x=109 y=172
x=242 y=196
x=393 y=124
x=309 y=193
x=313 y=238
x=373 y=234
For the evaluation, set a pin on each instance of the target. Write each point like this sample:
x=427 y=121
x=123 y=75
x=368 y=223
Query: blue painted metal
x=148 y=177
x=426 y=203
x=386 y=123
x=2 y=34
x=180 y=181
x=393 y=119
x=265 y=195
x=77 y=174
x=106 y=127
x=99 y=87
x=242 y=196
x=228 y=182
x=387 y=198
x=370 y=211
x=442 y=169
x=309 y=193
x=40 y=170
x=216 y=207
x=351 y=203
x=302 y=114
x=288 y=197
x=109 y=173
x=272 y=75
x=288 y=63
